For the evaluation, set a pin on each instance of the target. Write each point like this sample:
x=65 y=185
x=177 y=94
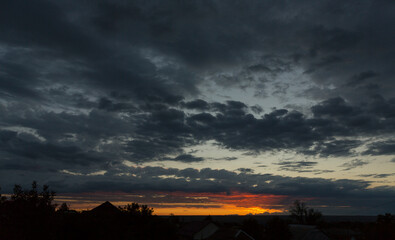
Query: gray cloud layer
x=84 y=86
x=356 y=194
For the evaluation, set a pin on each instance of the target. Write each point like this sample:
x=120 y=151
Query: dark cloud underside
x=85 y=86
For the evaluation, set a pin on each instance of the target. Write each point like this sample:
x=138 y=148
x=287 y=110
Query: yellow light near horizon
x=224 y=210
x=178 y=209
x=236 y=203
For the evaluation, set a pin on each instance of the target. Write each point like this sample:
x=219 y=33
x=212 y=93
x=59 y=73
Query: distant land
x=264 y=218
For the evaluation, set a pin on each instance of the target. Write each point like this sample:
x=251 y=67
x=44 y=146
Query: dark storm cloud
x=361 y=78
x=336 y=148
x=296 y=166
x=356 y=193
x=143 y=136
x=160 y=133
x=262 y=166
x=185 y=158
x=256 y=109
x=197 y=104
x=151 y=149
x=205 y=180
x=375 y=115
x=108 y=38
x=14 y=79
x=226 y=158
x=334 y=107
x=54 y=141
x=47 y=35
x=301 y=167
x=43 y=24
x=374 y=175
x=109 y=105
x=16 y=146
x=381 y=148
x=353 y=164
x=151 y=135
x=54 y=127
x=245 y=170
x=237 y=129
x=86 y=85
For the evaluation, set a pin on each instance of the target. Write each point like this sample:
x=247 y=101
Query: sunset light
x=258 y=112
x=182 y=203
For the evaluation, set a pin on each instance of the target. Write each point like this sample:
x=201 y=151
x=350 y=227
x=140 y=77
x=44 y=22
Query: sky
x=201 y=107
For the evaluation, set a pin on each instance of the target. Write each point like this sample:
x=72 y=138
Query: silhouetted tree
x=30 y=214
x=298 y=211
x=2 y=198
x=27 y=213
x=63 y=208
x=303 y=214
x=386 y=218
x=313 y=216
x=146 y=211
x=32 y=198
x=135 y=209
x=384 y=228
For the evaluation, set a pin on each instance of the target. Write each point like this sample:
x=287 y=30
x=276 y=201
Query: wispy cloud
x=355 y=163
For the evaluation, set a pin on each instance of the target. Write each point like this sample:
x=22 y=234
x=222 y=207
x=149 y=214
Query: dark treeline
x=32 y=214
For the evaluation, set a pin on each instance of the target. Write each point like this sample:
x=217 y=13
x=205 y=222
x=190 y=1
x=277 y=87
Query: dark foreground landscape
x=30 y=214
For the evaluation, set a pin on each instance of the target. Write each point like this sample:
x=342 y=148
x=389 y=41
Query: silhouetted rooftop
x=105 y=208
x=306 y=232
x=191 y=228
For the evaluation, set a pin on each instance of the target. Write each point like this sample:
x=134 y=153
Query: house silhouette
x=105 y=208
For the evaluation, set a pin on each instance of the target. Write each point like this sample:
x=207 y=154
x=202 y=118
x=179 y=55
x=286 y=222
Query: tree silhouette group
x=32 y=214
x=134 y=209
x=303 y=214
x=27 y=213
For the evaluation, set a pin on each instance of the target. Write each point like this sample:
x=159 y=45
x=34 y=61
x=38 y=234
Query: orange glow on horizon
x=223 y=210
x=184 y=203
